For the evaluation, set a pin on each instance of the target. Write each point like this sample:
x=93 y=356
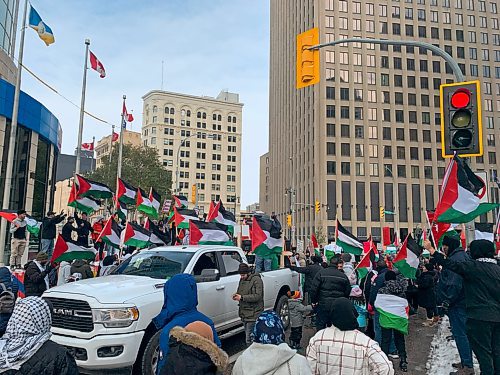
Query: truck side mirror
x=208 y=275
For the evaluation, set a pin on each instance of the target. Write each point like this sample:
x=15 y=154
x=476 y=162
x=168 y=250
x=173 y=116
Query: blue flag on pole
x=43 y=30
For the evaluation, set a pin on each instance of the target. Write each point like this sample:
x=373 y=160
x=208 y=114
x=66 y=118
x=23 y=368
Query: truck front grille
x=71 y=314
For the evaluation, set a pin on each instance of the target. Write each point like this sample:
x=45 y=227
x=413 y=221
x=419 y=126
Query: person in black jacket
x=26 y=348
x=481 y=276
x=310 y=272
x=427 y=295
x=49 y=231
x=328 y=284
x=68 y=229
x=84 y=229
x=8 y=284
x=192 y=351
x=36 y=280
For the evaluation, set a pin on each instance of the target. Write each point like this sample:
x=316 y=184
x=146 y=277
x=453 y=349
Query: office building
x=103 y=146
x=369 y=132
x=199 y=139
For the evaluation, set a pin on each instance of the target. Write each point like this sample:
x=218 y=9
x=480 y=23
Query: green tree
x=320 y=236
x=141 y=167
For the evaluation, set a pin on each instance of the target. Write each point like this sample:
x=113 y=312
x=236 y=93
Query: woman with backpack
x=8 y=295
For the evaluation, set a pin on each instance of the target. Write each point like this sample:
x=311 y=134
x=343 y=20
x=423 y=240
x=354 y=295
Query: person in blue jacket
x=6 y=278
x=179 y=309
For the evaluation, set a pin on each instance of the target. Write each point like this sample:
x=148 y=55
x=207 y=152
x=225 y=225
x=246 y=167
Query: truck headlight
x=115 y=318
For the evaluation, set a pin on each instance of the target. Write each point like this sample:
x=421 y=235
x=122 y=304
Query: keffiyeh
x=269 y=329
x=28 y=329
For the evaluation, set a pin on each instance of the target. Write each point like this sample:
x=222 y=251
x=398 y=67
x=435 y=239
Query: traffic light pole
x=459 y=77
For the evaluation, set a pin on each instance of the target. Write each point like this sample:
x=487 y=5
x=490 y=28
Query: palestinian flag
x=69 y=251
x=439 y=229
x=135 y=235
x=87 y=188
x=315 y=245
x=8 y=215
x=347 y=241
x=393 y=312
x=367 y=263
x=121 y=210
x=484 y=231
x=110 y=233
x=266 y=240
x=460 y=195
x=157 y=237
x=220 y=215
x=180 y=201
x=144 y=205
x=32 y=225
x=125 y=192
x=155 y=200
x=331 y=250
x=182 y=217
x=84 y=204
x=203 y=233
x=407 y=258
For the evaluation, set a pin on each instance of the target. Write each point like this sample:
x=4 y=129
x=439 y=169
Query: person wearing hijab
x=342 y=349
x=269 y=353
x=26 y=349
x=481 y=279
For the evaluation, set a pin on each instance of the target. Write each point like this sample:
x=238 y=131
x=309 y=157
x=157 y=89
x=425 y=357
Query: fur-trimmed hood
x=217 y=355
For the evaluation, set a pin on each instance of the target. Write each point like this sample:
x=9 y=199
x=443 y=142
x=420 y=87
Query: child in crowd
x=297 y=312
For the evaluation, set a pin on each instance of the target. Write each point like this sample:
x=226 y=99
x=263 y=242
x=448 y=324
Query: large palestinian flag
x=69 y=251
x=87 y=188
x=180 y=201
x=125 y=192
x=220 y=215
x=32 y=225
x=135 y=235
x=145 y=205
x=347 y=241
x=182 y=217
x=110 y=233
x=266 y=237
x=367 y=263
x=157 y=237
x=484 y=231
x=393 y=312
x=314 y=243
x=460 y=195
x=84 y=204
x=155 y=200
x=121 y=210
x=407 y=259
x=203 y=233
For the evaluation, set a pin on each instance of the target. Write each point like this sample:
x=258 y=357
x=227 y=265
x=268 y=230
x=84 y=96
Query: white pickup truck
x=106 y=322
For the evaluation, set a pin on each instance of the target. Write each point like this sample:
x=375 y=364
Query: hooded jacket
x=82 y=267
x=450 y=286
x=270 y=359
x=251 y=291
x=297 y=310
x=179 y=309
x=192 y=354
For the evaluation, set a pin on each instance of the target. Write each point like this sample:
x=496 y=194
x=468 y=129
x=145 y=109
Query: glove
x=370 y=309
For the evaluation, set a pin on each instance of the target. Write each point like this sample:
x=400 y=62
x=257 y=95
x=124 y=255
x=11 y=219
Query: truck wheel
x=282 y=310
x=150 y=355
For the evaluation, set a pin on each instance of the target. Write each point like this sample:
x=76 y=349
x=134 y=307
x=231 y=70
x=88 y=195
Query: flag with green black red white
x=155 y=200
x=88 y=188
x=84 y=204
x=203 y=233
x=32 y=225
x=367 y=263
x=180 y=201
x=347 y=241
x=144 y=204
x=157 y=237
x=125 y=192
x=69 y=251
x=111 y=233
x=220 y=215
x=266 y=237
x=461 y=194
x=407 y=258
x=135 y=235
x=182 y=217
x=121 y=210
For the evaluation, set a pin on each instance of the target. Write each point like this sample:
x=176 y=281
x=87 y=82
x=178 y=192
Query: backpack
x=7 y=300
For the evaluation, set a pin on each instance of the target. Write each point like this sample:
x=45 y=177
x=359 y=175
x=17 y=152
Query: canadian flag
x=114 y=137
x=97 y=65
x=88 y=146
x=128 y=117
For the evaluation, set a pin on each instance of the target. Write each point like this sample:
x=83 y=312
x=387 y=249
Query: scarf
x=28 y=329
x=269 y=329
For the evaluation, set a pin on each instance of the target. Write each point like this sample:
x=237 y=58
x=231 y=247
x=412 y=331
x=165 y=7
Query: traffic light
x=289 y=220
x=382 y=212
x=193 y=193
x=317 y=206
x=461 y=121
x=307 y=65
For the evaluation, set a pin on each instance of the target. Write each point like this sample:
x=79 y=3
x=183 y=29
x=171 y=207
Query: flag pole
x=12 y=138
x=111 y=142
x=92 y=165
x=82 y=108
x=120 y=150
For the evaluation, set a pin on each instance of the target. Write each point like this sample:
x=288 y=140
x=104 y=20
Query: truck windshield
x=155 y=264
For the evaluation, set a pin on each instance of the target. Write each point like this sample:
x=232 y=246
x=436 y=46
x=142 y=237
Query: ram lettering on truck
x=106 y=322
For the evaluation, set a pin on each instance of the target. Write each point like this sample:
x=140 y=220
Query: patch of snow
x=443 y=352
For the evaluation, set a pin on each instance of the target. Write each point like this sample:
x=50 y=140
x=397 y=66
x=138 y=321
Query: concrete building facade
x=199 y=140
x=368 y=135
x=105 y=144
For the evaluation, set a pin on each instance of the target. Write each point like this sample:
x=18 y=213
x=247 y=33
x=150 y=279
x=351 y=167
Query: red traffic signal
x=460 y=98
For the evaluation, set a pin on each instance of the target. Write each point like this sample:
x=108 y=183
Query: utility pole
x=82 y=108
x=122 y=134
x=111 y=142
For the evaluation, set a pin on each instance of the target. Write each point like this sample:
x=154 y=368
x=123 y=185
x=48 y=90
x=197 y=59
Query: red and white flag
x=128 y=117
x=114 y=137
x=97 y=65
x=88 y=146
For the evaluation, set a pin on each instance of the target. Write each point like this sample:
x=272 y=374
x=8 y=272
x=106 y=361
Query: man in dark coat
x=84 y=229
x=427 y=294
x=451 y=296
x=310 y=272
x=68 y=230
x=36 y=279
x=328 y=284
x=49 y=231
x=481 y=278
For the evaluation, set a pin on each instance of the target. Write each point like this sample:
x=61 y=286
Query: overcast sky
x=207 y=45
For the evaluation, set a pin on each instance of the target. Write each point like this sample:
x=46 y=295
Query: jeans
x=378 y=333
x=458 y=320
x=249 y=332
x=295 y=336
x=484 y=338
x=47 y=247
x=262 y=264
x=389 y=336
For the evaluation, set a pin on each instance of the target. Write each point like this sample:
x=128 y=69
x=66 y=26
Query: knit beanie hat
x=42 y=257
x=294 y=294
x=243 y=269
x=269 y=329
x=202 y=329
x=452 y=241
